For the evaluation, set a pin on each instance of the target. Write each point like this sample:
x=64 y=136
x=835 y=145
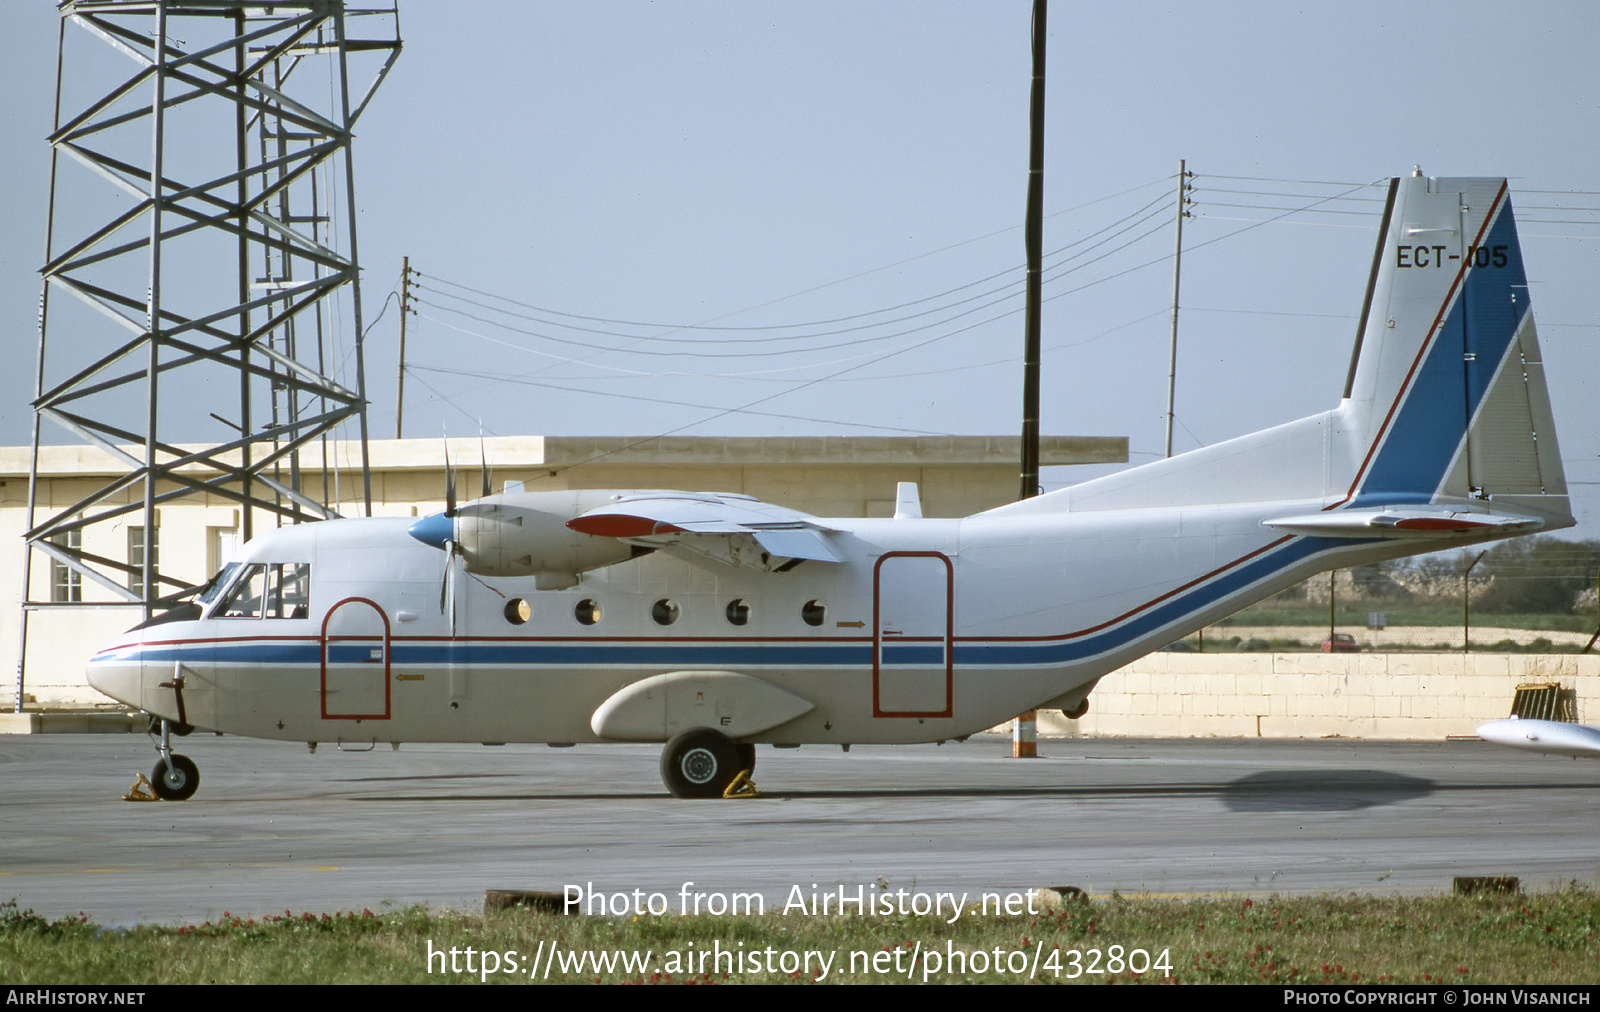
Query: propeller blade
x=449 y=483
x=483 y=457
x=447 y=582
x=444 y=578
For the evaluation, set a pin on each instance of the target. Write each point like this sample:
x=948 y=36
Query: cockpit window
x=213 y=586
x=270 y=590
x=289 y=590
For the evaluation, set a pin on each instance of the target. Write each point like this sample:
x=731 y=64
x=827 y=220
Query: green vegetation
x=1274 y=612
x=1543 y=584
x=1551 y=937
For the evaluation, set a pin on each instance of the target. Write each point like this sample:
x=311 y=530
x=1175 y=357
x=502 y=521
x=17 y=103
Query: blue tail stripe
x=1450 y=385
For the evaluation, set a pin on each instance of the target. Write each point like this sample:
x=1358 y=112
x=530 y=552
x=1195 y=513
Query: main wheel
x=699 y=764
x=747 y=757
x=176 y=782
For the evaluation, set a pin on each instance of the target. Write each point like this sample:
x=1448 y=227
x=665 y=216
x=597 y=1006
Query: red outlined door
x=913 y=651
x=355 y=661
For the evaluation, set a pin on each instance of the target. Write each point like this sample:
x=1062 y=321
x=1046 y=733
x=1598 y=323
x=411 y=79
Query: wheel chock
x=742 y=787
x=141 y=791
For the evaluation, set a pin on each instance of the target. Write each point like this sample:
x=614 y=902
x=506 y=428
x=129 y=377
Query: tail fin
x=1445 y=401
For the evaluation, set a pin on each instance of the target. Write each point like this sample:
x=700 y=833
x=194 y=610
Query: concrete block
x=1254 y=706
x=1409 y=664
x=1490 y=664
x=19 y=723
x=1128 y=681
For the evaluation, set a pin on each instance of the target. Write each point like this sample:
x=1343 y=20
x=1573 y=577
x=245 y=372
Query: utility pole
x=1034 y=240
x=1332 y=610
x=405 y=311
x=1466 y=603
x=1024 y=727
x=1177 y=269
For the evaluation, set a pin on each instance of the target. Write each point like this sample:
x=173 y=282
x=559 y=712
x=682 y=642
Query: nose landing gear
x=175 y=777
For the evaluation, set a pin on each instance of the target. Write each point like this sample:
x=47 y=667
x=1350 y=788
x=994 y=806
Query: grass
x=1547 y=937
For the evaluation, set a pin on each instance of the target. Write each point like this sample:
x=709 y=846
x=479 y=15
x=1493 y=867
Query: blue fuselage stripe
x=665 y=653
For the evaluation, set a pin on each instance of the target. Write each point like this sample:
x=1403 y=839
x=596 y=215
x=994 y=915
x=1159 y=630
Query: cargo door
x=912 y=636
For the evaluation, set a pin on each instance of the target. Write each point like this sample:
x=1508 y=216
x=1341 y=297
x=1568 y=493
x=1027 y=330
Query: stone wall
x=1305 y=695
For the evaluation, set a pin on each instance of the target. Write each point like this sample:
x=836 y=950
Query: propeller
x=439 y=529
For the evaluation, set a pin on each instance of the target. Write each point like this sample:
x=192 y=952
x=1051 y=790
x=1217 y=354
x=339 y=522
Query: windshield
x=209 y=589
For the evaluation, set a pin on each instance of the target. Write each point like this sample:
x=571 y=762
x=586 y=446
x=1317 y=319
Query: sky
x=589 y=191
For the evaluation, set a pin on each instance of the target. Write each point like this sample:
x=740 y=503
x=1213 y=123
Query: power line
x=527 y=381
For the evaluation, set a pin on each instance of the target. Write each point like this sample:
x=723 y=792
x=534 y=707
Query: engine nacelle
x=526 y=534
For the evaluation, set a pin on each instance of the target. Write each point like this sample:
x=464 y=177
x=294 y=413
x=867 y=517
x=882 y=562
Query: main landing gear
x=702 y=763
x=175 y=777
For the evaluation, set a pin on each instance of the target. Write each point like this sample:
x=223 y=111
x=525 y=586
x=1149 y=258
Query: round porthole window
x=738 y=611
x=664 y=611
x=587 y=611
x=518 y=611
x=813 y=612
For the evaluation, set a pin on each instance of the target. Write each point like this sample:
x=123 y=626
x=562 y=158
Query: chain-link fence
x=1532 y=595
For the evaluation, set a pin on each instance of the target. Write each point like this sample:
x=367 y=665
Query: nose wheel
x=175 y=777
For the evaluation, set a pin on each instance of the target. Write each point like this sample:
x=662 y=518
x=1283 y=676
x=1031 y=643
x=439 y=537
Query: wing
x=716 y=524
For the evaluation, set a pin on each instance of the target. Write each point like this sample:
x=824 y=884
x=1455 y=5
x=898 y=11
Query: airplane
x=713 y=622
x=1553 y=736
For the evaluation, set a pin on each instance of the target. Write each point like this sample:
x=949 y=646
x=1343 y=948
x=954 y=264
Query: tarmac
x=274 y=828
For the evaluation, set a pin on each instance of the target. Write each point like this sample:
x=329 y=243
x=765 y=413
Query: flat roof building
x=70 y=615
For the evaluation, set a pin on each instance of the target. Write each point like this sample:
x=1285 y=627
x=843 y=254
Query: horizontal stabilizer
x=1404 y=522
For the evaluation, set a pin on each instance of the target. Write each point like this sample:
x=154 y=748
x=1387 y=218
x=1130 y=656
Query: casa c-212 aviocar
x=713 y=623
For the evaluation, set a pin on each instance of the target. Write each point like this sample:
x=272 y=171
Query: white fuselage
x=929 y=629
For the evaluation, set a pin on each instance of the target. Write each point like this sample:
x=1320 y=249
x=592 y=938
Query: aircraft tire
x=699 y=763
x=177 y=782
x=747 y=757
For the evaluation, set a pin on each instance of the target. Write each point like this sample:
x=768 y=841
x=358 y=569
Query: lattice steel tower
x=201 y=318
